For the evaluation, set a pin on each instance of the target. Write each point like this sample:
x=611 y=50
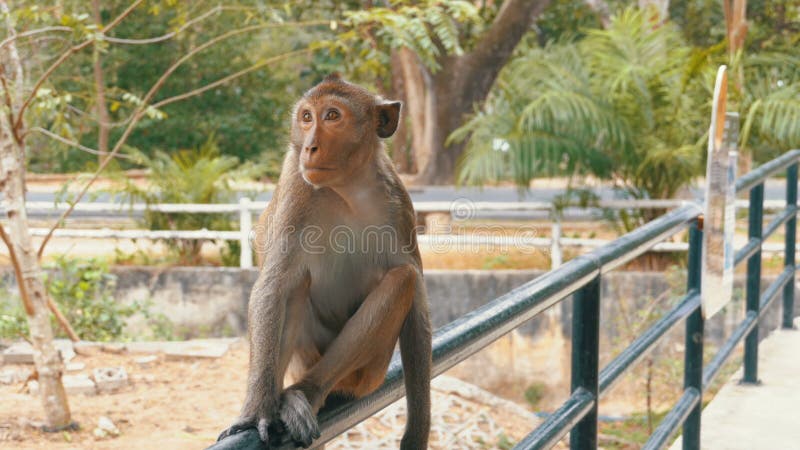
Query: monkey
x=340 y=277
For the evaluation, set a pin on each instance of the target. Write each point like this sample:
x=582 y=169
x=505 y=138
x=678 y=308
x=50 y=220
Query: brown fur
x=330 y=315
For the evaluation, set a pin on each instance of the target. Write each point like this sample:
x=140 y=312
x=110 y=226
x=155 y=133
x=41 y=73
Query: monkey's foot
x=298 y=418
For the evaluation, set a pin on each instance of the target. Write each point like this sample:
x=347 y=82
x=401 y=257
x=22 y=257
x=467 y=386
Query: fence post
x=693 y=358
x=245 y=226
x=555 y=244
x=791 y=236
x=755 y=222
x=585 y=349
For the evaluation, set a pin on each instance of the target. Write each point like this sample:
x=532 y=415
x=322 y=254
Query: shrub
x=189 y=176
x=83 y=289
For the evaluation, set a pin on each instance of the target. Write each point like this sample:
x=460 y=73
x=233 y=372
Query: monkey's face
x=330 y=138
x=335 y=129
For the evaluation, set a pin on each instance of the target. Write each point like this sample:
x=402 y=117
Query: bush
x=189 y=176
x=83 y=289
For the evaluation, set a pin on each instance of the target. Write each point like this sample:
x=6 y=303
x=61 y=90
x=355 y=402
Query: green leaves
x=616 y=105
x=430 y=28
x=771 y=117
x=200 y=175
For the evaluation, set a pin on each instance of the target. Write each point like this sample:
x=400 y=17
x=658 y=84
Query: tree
x=757 y=39
x=41 y=102
x=441 y=83
x=626 y=103
x=246 y=115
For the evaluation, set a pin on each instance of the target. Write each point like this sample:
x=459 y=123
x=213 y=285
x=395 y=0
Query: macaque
x=340 y=273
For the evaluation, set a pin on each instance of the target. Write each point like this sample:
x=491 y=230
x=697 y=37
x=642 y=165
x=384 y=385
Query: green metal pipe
x=726 y=350
x=663 y=434
x=585 y=354
x=753 y=245
x=772 y=290
x=780 y=219
x=759 y=174
x=790 y=242
x=693 y=356
x=642 y=345
x=755 y=224
x=550 y=432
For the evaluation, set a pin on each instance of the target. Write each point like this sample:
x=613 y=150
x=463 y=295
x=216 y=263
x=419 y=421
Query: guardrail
x=246 y=207
x=581 y=276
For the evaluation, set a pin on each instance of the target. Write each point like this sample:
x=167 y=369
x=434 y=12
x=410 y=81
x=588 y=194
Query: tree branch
x=95 y=119
x=64 y=56
x=167 y=36
x=9 y=39
x=74 y=144
x=512 y=22
x=140 y=110
x=23 y=290
x=51 y=305
x=230 y=77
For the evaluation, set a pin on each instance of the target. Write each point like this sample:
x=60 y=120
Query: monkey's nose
x=312 y=149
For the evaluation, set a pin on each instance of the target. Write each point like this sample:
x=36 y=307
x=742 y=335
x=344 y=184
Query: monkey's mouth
x=318 y=169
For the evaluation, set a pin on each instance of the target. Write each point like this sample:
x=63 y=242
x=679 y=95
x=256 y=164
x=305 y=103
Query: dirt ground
x=185 y=404
x=173 y=404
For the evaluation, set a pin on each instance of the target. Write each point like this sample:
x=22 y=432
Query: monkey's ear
x=388 y=118
x=333 y=77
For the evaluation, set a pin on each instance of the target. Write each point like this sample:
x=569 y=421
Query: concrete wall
x=213 y=301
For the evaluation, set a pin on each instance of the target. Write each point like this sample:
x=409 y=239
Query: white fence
x=246 y=207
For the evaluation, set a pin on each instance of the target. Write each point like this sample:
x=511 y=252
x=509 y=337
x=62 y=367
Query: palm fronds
x=618 y=105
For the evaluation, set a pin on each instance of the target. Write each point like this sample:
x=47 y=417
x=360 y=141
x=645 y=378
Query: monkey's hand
x=298 y=417
x=269 y=429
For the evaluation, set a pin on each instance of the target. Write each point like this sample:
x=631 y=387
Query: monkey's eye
x=306 y=116
x=332 y=115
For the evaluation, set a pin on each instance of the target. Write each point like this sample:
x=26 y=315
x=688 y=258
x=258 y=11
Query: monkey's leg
x=276 y=314
x=364 y=344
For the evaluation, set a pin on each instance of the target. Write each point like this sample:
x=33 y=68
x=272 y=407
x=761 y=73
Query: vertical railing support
x=245 y=226
x=555 y=243
x=585 y=349
x=755 y=223
x=791 y=236
x=693 y=358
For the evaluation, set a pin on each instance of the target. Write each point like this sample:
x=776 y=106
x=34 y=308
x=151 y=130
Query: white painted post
x=555 y=243
x=245 y=226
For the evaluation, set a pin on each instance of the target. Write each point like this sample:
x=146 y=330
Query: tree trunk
x=47 y=360
x=401 y=142
x=100 y=90
x=735 y=12
x=12 y=183
x=438 y=103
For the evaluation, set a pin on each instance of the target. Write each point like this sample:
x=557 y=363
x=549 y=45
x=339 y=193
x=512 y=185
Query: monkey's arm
x=271 y=332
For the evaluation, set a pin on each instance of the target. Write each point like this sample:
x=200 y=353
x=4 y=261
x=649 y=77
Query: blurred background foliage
x=597 y=88
x=201 y=175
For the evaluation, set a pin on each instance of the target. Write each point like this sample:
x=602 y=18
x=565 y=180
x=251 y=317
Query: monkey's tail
x=415 y=350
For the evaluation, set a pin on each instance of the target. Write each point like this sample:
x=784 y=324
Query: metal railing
x=555 y=242
x=581 y=276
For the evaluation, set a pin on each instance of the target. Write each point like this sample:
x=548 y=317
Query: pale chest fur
x=346 y=259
